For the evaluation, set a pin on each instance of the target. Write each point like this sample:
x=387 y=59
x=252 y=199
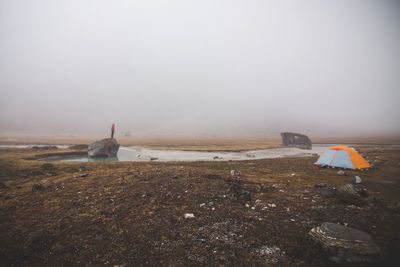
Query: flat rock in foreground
x=107 y=147
x=345 y=244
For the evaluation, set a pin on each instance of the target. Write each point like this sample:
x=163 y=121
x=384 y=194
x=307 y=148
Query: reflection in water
x=146 y=154
x=96 y=159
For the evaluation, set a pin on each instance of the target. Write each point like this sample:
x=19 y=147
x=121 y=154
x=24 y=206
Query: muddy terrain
x=184 y=214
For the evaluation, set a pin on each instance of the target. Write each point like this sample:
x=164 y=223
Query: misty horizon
x=209 y=68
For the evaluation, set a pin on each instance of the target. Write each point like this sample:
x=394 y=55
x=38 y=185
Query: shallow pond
x=146 y=154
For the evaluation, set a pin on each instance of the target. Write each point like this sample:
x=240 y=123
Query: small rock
x=341 y=173
x=235 y=173
x=153 y=158
x=325 y=190
x=271 y=205
x=42 y=186
x=357 y=180
x=47 y=166
x=351 y=194
x=271 y=255
x=188 y=215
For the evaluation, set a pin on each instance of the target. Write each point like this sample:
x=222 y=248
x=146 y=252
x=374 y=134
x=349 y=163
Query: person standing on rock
x=112 y=130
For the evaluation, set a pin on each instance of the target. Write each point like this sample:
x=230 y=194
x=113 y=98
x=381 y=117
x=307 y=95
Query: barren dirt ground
x=132 y=214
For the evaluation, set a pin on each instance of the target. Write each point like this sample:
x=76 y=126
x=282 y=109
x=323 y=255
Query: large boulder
x=345 y=244
x=107 y=147
x=296 y=140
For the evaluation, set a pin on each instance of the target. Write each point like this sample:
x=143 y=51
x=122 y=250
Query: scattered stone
x=341 y=173
x=189 y=215
x=271 y=255
x=325 y=190
x=107 y=147
x=216 y=157
x=296 y=140
x=238 y=192
x=202 y=205
x=351 y=194
x=42 y=186
x=345 y=244
x=357 y=180
x=235 y=173
x=271 y=205
x=153 y=158
x=47 y=166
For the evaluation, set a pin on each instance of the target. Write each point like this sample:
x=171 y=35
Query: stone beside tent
x=296 y=140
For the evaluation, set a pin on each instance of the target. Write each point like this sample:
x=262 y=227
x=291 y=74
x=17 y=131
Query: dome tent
x=342 y=157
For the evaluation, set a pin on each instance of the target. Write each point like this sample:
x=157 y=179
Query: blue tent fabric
x=342 y=160
x=335 y=158
x=326 y=158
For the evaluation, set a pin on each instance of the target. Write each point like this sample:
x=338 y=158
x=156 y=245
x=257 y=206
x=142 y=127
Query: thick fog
x=210 y=67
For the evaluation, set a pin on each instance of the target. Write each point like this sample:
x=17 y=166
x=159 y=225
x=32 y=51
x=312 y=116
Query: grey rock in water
x=296 y=140
x=107 y=147
x=345 y=244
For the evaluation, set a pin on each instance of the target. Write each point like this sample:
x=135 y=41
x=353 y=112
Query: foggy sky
x=210 y=67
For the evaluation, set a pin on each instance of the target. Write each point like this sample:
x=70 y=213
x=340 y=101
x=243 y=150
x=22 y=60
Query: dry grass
x=132 y=213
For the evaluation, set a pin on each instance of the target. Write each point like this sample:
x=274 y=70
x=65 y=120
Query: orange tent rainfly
x=342 y=157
